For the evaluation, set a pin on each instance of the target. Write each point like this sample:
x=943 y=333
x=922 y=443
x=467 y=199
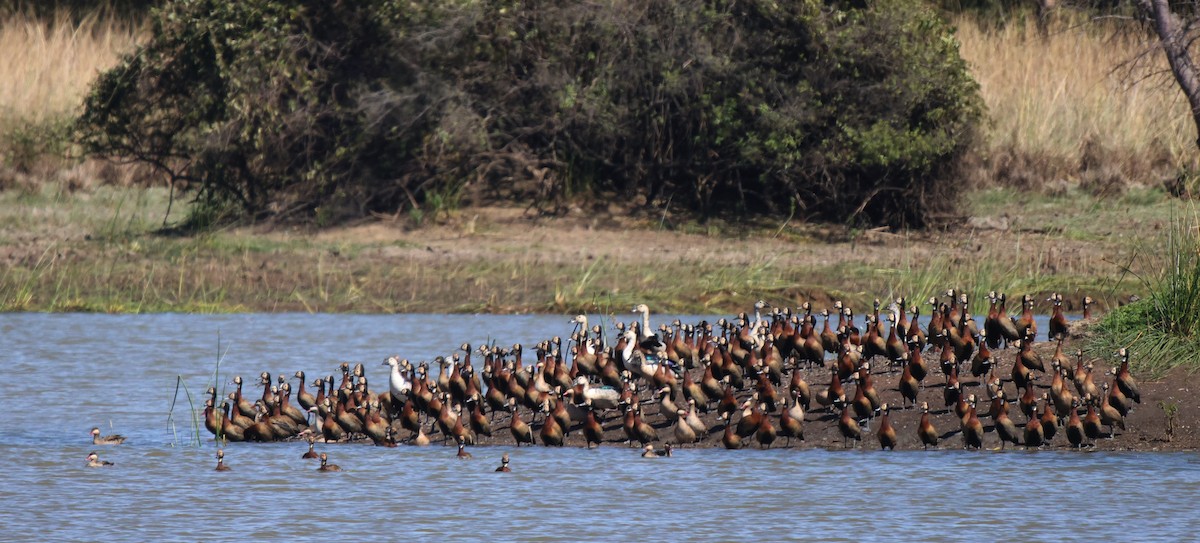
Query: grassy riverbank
x=1082 y=149
x=97 y=250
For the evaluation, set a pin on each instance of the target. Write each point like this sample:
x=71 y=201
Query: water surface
x=67 y=373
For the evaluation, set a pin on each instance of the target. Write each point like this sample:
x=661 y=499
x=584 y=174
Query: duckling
x=925 y=429
x=114 y=439
x=221 y=461
x=503 y=464
x=93 y=461
x=326 y=466
x=886 y=433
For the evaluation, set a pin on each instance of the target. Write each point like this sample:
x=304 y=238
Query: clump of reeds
x=1161 y=330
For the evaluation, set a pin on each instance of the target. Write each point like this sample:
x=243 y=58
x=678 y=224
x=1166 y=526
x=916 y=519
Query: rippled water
x=67 y=373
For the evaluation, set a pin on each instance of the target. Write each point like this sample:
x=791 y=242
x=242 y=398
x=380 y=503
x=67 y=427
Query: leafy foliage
x=843 y=112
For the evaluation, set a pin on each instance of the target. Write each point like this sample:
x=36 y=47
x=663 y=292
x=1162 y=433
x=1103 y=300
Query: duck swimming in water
x=504 y=464
x=94 y=461
x=115 y=439
x=649 y=452
x=326 y=466
x=221 y=461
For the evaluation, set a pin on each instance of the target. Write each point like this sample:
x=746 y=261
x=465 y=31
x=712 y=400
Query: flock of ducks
x=743 y=379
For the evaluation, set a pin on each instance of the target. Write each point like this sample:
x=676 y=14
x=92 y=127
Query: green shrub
x=1161 y=330
x=844 y=112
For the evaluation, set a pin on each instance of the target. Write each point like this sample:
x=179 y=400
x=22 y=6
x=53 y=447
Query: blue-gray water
x=67 y=373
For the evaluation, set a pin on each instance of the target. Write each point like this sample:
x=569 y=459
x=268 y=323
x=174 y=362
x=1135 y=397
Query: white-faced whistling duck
x=765 y=435
x=972 y=429
x=829 y=340
x=849 y=428
x=751 y=417
x=908 y=385
x=326 y=466
x=230 y=430
x=504 y=464
x=1125 y=381
x=1034 y=434
x=310 y=454
x=916 y=362
x=916 y=337
x=114 y=439
x=462 y=451
x=221 y=461
x=1074 y=427
x=791 y=422
x=981 y=363
x=593 y=432
x=1091 y=421
x=303 y=396
x=1058 y=321
x=1025 y=325
x=1028 y=401
x=1109 y=415
x=886 y=433
x=551 y=432
x=1049 y=420
x=1006 y=325
x=729 y=438
x=1005 y=428
x=93 y=461
x=925 y=429
x=1087 y=307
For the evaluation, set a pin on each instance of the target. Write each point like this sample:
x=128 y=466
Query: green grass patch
x=1162 y=330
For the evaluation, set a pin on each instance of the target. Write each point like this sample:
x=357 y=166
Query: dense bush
x=286 y=108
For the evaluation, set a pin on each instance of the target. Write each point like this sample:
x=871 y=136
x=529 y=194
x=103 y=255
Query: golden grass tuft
x=48 y=65
x=1070 y=103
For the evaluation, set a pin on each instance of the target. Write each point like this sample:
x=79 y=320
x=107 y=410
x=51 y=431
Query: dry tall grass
x=47 y=66
x=1070 y=105
x=1061 y=107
